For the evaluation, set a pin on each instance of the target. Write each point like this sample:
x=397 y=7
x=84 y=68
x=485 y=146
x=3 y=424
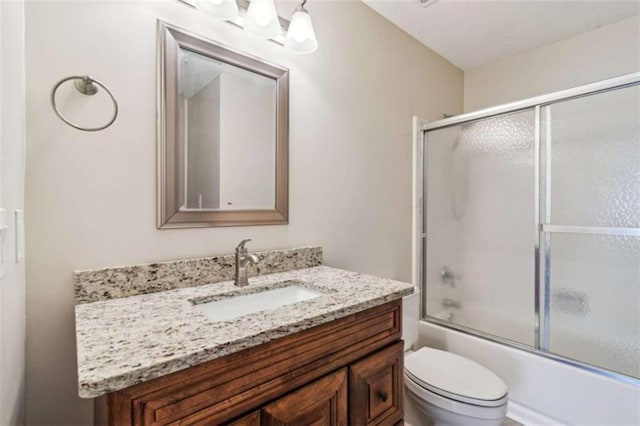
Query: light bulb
x=300 y=37
x=226 y=10
x=262 y=19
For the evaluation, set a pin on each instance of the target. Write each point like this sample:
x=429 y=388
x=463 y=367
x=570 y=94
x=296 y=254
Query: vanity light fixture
x=225 y=10
x=260 y=18
x=300 y=37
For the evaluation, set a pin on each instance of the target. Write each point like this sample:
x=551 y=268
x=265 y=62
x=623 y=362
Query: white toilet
x=442 y=388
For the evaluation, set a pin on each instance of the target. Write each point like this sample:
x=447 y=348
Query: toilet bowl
x=442 y=388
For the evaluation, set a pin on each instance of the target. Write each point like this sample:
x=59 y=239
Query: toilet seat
x=431 y=402
x=454 y=377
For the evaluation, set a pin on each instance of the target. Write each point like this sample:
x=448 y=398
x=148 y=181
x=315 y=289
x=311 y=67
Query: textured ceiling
x=471 y=33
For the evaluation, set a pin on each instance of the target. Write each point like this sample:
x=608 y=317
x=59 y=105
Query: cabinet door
x=320 y=403
x=375 y=388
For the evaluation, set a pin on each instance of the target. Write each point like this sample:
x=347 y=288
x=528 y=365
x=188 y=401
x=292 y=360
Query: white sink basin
x=238 y=305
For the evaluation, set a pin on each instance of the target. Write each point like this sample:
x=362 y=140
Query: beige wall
x=596 y=55
x=12 y=272
x=91 y=196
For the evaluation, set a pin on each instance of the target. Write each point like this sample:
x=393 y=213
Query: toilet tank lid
x=454 y=374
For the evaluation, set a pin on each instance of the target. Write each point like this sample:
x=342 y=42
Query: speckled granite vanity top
x=125 y=341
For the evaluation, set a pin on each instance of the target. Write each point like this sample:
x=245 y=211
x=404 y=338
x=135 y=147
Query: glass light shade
x=221 y=9
x=262 y=19
x=301 y=38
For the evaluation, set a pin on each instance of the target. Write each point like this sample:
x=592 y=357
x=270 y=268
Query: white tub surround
x=126 y=341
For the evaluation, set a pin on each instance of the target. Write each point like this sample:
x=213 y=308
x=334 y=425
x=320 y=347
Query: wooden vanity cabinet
x=346 y=372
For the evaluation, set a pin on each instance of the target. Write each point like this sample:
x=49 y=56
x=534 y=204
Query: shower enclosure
x=530 y=232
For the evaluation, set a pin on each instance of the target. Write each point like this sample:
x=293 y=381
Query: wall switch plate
x=19 y=218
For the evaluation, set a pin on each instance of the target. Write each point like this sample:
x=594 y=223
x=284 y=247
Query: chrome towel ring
x=87 y=86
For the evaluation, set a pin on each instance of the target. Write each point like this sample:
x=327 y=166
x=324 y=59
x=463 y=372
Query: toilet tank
x=410 y=318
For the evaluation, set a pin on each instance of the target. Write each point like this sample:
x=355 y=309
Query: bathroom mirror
x=223 y=130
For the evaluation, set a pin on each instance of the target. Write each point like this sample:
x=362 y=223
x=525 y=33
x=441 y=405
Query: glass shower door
x=591 y=229
x=480 y=224
x=531 y=223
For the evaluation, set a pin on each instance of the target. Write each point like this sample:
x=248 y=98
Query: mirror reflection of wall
x=226 y=150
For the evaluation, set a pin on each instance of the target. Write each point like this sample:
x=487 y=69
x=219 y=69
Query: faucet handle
x=241 y=248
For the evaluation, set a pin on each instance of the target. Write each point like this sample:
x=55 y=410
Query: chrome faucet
x=243 y=258
x=447 y=276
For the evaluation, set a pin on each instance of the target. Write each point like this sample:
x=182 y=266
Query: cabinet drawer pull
x=383 y=396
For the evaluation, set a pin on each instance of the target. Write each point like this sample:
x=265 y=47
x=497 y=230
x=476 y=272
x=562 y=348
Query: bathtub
x=543 y=391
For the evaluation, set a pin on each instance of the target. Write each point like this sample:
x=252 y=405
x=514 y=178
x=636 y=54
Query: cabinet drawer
x=321 y=403
x=375 y=396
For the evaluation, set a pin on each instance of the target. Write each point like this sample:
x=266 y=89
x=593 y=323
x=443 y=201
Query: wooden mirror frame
x=170 y=40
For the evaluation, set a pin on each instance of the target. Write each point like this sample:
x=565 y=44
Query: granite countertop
x=126 y=341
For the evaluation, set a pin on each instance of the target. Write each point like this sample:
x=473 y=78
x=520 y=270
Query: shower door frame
x=542 y=230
